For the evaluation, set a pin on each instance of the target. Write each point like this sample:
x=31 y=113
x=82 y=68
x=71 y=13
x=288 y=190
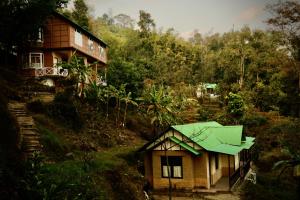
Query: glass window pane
x=165 y=171
x=177 y=172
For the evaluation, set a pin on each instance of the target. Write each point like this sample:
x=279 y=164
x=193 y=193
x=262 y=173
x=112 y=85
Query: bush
x=64 y=110
x=254 y=120
x=204 y=115
x=65 y=113
x=37 y=106
x=52 y=143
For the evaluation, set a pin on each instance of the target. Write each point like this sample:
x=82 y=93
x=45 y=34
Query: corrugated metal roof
x=210 y=85
x=184 y=145
x=212 y=136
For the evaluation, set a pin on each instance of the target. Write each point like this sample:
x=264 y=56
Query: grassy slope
x=99 y=156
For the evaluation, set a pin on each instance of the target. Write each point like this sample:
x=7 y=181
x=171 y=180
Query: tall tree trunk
x=242 y=71
x=125 y=113
x=169 y=174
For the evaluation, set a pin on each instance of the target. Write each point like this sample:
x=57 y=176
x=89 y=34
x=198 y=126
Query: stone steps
x=29 y=136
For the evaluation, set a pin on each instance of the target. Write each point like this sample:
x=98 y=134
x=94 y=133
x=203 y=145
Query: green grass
x=53 y=145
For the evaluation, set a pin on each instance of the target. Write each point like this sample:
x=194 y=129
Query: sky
x=185 y=16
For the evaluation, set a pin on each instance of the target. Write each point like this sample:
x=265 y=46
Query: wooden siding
x=59 y=34
x=95 y=53
x=56 y=33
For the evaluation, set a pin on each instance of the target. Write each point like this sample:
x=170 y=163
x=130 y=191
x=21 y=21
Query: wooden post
x=209 y=168
x=228 y=170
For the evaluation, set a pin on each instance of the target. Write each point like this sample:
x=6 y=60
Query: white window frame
x=78 y=38
x=91 y=45
x=102 y=52
x=36 y=65
x=40 y=36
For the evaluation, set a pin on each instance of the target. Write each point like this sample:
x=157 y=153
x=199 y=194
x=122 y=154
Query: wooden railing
x=234 y=177
x=51 y=71
x=100 y=81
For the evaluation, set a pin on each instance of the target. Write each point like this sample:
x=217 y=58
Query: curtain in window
x=165 y=171
x=177 y=172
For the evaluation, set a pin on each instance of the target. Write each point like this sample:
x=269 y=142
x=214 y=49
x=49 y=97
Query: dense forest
x=152 y=76
x=262 y=66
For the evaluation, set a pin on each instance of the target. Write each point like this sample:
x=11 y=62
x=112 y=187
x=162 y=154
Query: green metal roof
x=210 y=85
x=184 y=145
x=212 y=136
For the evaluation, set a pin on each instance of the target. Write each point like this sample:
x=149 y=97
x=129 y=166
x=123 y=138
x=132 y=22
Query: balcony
x=50 y=71
x=100 y=81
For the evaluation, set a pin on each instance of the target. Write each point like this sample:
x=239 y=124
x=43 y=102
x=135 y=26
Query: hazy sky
x=207 y=16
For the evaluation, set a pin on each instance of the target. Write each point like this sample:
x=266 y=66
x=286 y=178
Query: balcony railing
x=51 y=71
x=100 y=81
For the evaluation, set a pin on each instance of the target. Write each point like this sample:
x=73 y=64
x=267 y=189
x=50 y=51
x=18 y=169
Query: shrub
x=64 y=110
x=52 y=143
x=65 y=113
x=254 y=120
x=37 y=106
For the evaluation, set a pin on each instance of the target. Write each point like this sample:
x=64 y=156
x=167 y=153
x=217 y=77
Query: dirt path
x=231 y=196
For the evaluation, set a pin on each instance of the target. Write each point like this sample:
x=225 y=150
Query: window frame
x=174 y=161
x=40 y=36
x=78 y=38
x=40 y=56
x=91 y=45
x=102 y=52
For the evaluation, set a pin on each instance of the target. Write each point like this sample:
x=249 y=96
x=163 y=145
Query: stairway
x=29 y=137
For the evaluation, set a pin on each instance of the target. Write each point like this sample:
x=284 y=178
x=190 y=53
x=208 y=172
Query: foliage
x=79 y=70
x=37 y=106
x=28 y=16
x=286 y=20
x=268 y=187
x=80 y=14
x=64 y=110
x=145 y=23
x=52 y=143
x=158 y=104
x=254 y=120
x=236 y=106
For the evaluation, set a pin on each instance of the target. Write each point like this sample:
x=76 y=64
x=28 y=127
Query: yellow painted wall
x=187 y=182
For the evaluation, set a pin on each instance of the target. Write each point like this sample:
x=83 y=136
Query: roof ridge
x=196 y=123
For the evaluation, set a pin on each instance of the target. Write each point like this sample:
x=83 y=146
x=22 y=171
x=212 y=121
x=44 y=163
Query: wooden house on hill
x=58 y=40
x=204 y=156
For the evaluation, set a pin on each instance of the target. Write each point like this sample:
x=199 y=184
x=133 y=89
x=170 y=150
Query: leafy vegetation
x=153 y=76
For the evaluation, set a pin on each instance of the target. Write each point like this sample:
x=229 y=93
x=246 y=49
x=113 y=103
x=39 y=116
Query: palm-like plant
x=79 y=70
x=95 y=93
x=159 y=105
x=128 y=100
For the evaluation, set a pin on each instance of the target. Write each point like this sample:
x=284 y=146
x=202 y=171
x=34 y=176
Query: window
x=78 y=38
x=36 y=60
x=101 y=52
x=175 y=166
x=91 y=45
x=40 y=37
x=217 y=161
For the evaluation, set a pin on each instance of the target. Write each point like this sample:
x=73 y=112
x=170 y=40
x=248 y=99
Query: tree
x=236 y=106
x=145 y=23
x=80 y=14
x=127 y=99
x=286 y=20
x=20 y=19
x=158 y=104
x=124 y=21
